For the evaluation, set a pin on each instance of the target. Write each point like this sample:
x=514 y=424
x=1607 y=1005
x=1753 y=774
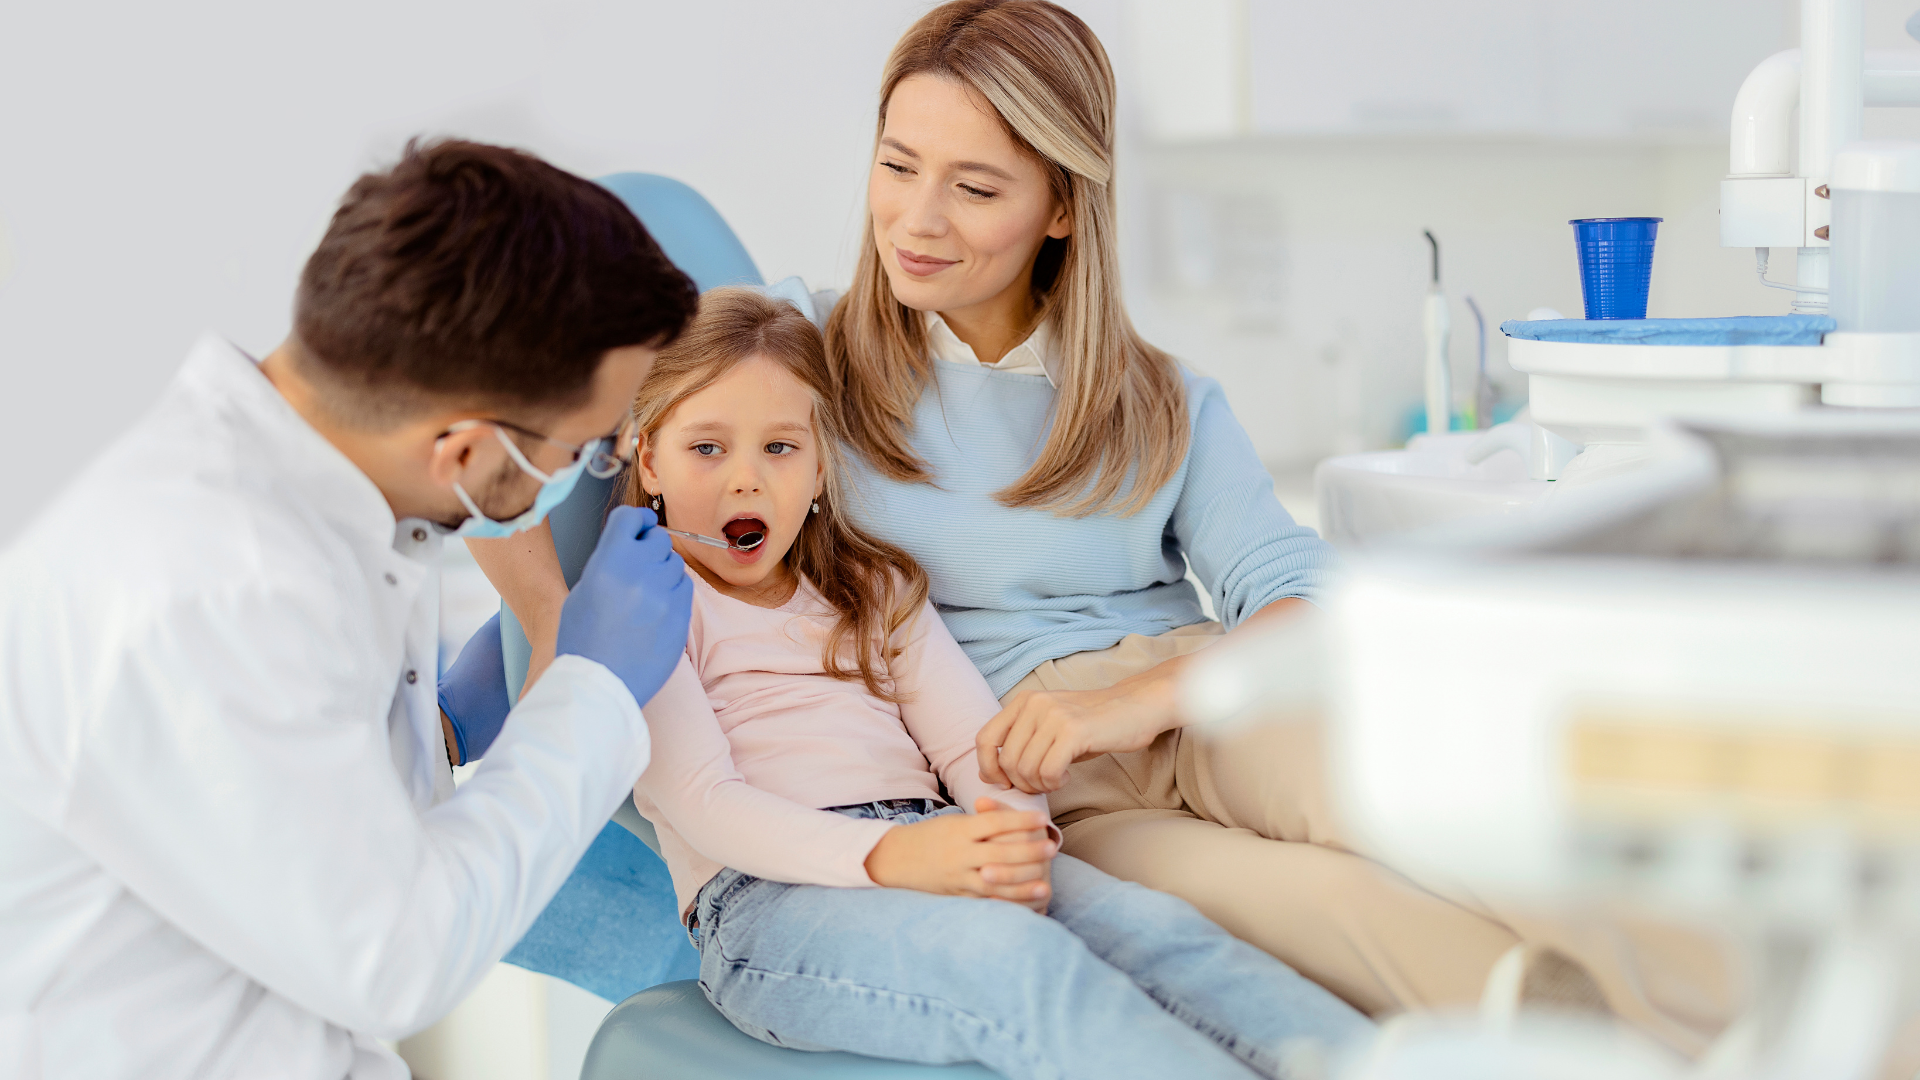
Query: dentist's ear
x=455 y=452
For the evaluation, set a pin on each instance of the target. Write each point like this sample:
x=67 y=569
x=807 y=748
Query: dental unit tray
x=1592 y=391
x=1887 y=359
x=1740 y=330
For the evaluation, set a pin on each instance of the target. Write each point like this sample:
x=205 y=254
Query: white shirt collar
x=1034 y=356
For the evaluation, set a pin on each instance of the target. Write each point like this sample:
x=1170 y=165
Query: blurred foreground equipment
x=1691 y=691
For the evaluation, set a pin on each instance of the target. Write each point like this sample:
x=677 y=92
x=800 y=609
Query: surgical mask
x=554 y=489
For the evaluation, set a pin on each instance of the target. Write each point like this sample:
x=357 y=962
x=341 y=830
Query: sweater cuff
x=850 y=868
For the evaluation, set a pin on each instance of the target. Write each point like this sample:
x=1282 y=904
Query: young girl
x=814 y=757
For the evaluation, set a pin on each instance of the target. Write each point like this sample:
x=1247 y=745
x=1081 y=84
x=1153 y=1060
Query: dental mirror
x=746 y=542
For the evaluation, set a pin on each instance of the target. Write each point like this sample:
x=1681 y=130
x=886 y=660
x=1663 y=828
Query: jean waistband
x=885 y=809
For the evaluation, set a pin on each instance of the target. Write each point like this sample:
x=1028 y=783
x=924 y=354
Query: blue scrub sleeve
x=473 y=692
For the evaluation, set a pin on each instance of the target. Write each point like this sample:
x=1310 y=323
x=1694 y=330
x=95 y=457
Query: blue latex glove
x=473 y=692
x=629 y=610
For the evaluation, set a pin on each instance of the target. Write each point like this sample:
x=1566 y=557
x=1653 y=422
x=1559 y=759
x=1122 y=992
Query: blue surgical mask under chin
x=554 y=490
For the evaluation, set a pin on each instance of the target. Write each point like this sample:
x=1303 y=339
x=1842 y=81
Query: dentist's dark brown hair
x=479 y=275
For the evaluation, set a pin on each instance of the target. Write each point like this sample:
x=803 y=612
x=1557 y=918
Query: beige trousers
x=1235 y=820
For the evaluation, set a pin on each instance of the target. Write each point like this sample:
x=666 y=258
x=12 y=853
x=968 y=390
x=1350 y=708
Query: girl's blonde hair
x=1119 y=428
x=875 y=587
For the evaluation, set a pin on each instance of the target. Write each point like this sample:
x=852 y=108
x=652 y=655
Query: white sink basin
x=1386 y=492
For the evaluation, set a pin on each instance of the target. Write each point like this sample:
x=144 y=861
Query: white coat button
x=391 y=580
x=419 y=536
x=413 y=677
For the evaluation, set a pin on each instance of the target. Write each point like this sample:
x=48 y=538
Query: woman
x=1056 y=476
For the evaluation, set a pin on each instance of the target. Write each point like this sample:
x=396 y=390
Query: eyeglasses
x=605 y=455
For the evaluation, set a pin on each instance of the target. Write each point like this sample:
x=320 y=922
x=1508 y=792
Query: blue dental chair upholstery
x=670 y=1033
x=614 y=927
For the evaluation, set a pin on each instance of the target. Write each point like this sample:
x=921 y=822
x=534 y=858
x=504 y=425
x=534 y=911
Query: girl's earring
x=816 y=506
x=656 y=504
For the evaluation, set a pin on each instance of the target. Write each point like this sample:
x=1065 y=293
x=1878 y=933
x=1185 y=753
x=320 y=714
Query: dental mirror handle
x=710 y=541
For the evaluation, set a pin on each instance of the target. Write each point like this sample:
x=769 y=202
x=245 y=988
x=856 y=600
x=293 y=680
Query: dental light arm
x=1776 y=192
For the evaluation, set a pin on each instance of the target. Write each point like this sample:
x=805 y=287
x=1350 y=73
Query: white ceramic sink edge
x=1387 y=492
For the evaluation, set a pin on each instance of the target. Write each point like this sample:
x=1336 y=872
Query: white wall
x=164 y=168
x=1309 y=310
x=1291 y=266
x=516 y=1025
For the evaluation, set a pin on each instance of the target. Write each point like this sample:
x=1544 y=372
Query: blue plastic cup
x=1616 y=264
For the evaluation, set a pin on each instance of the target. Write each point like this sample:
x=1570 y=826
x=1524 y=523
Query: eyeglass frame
x=605 y=447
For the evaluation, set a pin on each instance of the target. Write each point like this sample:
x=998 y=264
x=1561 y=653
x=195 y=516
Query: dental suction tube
x=1439 y=378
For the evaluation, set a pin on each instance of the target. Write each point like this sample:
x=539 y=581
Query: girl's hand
x=1010 y=874
x=993 y=853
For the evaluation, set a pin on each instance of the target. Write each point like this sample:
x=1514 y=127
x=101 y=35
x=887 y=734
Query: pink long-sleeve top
x=752 y=739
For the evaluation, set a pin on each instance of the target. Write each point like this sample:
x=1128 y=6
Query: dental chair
x=620 y=897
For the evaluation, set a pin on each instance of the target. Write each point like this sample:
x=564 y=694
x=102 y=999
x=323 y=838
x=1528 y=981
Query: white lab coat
x=229 y=841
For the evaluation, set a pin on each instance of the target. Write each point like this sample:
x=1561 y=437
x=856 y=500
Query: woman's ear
x=1061 y=226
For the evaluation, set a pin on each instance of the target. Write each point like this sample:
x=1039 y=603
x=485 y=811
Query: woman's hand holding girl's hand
x=994 y=852
x=1030 y=743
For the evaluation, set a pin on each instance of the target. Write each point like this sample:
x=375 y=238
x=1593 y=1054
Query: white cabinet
x=1189 y=70
x=1557 y=68
x=1394 y=66
x=1649 y=67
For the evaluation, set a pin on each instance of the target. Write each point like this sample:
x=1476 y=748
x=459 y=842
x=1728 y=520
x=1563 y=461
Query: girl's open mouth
x=745 y=533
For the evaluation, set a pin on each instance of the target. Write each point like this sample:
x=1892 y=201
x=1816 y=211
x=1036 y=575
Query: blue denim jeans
x=1116 y=980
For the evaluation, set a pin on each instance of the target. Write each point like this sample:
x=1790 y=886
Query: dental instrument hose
x=1482 y=404
x=1760 y=259
x=1439 y=378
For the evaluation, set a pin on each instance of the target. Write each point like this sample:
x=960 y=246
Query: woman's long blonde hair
x=1119 y=427
x=875 y=587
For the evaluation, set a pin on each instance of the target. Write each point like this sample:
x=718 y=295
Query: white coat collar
x=292 y=454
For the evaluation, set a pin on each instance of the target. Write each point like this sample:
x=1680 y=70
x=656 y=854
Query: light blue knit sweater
x=1021 y=587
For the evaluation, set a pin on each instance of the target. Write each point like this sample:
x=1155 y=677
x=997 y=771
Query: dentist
x=230 y=844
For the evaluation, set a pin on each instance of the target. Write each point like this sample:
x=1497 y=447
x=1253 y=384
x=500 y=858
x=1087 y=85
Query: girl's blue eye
x=976 y=191
x=705 y=449
x=777 y=448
